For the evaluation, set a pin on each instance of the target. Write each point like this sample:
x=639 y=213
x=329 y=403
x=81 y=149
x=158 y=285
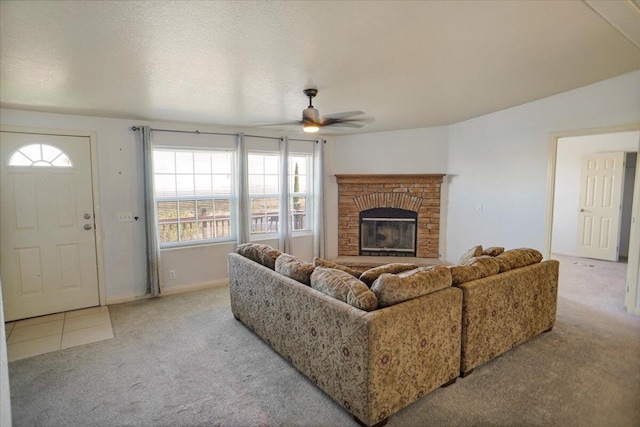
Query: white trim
x=102 y=292
x=220 y=283
x=634 y=262
x=127 y=298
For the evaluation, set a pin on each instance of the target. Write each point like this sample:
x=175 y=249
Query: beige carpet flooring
x=182 y=360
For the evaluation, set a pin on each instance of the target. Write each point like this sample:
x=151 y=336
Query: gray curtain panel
x=151 y=216
x=243 y=228
x=285 y=226
x=318 y=199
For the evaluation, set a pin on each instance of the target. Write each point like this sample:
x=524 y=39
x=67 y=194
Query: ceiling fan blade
x=294 y=123
x=344 y=125
x=344 y=115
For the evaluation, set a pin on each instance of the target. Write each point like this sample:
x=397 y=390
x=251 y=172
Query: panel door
x=600 y=205
x=48 y=256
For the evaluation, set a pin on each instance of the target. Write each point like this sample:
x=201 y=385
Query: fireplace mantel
x=388 y=178
x=415 y=192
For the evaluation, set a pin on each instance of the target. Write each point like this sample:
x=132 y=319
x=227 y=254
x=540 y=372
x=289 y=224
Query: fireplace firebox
x=388 y=232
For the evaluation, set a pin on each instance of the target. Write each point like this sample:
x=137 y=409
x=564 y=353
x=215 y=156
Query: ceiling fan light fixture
x=310 y=127
x=310 y=120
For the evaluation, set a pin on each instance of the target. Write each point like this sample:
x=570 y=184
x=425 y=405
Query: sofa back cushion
x=343 y=286
x=475 y=251
x=484 y=266
x=516 y=258
x=263 y=254
x=392 y=289
x=462 y=274
x=292 y=267
x=319 y=262
x=372 y=274
x=493 y=251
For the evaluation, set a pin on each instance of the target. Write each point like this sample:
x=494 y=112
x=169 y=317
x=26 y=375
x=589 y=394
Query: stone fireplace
x=389 y=215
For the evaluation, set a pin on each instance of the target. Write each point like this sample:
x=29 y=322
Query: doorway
x=567 y=217
x=50 y=255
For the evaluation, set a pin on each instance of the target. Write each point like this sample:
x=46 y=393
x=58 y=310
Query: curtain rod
x=197 y=132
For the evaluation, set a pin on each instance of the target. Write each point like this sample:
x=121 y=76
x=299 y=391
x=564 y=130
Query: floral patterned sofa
x=509 y=297
x=373 y=360
x=378 y=340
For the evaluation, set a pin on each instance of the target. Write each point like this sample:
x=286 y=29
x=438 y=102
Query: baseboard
x=127 y=298
x=220 y=283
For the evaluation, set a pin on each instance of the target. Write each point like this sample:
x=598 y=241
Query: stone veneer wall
x=418 y=193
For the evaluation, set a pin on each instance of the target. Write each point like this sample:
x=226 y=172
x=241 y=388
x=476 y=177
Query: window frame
x=308 y=195
x=231 y=197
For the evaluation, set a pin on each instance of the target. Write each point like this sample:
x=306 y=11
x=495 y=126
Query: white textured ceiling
x=408 y=64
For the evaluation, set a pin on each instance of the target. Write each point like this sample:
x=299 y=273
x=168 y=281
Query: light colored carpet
x=183 y=360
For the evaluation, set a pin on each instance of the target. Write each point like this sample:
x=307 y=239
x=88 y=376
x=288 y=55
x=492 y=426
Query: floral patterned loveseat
x=509 y=297
x=373 y=360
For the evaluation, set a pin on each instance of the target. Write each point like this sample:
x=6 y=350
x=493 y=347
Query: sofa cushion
x=462 y=274
x=484 y=266
x=319 y=262
x=392 y=289
x=263 y=254
x=292 y=267
x=493 y=251
x=372 y=274
x=473 y=252
x=516 y=258
x=343 y=286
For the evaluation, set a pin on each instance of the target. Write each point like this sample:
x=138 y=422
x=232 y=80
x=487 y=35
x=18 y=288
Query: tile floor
x=30 y=337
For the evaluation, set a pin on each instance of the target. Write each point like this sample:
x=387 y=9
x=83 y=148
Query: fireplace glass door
x=388 y=232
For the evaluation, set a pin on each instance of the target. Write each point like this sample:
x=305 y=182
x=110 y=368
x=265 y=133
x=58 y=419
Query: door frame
x=633 y=259
x=95 y=188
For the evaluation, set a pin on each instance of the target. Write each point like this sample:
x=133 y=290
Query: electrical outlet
x=125 y=217
x=172 y=274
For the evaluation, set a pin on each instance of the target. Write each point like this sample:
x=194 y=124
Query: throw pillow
x=462 y=274
x=319 y=262
x=292 y=267
x=493 y=251
x=473 y=252
x=372 y=274
x=263 y=254
x=516 y=258
x=343 y=286
x=392 y=289
x=484 y=266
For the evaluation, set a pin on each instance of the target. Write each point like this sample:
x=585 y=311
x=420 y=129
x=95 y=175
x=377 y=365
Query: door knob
x=87 y=226
x=87 y=216
x=581 y=210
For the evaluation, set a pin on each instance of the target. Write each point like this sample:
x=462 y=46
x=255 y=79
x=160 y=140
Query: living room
x=498 y=160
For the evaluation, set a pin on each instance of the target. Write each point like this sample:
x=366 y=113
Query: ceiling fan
x=312 y=121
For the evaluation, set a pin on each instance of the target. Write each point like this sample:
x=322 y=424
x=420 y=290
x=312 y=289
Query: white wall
x=419 y=151
x=571 y=150
x=121 y=190
x=500 y=161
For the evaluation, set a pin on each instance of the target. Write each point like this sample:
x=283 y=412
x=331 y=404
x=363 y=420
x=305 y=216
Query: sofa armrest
x=414 y=348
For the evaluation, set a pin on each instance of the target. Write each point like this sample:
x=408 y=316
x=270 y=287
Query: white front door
x=48 y=257
x=600 y=206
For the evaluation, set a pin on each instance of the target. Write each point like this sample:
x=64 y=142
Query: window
x=194 y=192
x=40 y=155
x=264 y=192
x=299 y=191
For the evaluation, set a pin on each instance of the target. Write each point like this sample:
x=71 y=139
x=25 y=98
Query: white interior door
x=600 y=206
x=48 y=257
